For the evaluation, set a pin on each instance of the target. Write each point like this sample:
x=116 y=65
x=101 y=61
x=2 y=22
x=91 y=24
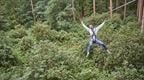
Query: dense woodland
x=44 y=40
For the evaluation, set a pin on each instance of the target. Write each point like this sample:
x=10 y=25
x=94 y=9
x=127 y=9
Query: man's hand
x=81 y=21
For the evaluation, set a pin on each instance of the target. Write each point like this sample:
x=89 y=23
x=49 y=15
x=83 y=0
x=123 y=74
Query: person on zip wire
x=93 y=37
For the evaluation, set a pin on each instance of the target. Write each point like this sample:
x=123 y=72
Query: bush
x=59 y=54
x=18 y=33
x=7 y=59
x=43 y=32
x=25 y=44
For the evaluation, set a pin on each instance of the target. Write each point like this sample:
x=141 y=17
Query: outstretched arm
x=84 y=25
x=99 y=27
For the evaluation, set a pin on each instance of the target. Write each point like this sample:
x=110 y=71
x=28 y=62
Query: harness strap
x=93 y=35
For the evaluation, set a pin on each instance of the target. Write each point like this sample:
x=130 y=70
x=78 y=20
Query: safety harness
x=93 y=37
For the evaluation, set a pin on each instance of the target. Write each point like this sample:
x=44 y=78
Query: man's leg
x=101 y=44
x=89 y=47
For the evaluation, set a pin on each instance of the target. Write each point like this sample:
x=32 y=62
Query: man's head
x=91 y=26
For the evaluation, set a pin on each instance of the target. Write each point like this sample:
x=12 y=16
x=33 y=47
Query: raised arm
x=99 y=27
x=84 y=26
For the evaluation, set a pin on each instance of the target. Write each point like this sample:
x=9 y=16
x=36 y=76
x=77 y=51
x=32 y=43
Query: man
x=93 y=37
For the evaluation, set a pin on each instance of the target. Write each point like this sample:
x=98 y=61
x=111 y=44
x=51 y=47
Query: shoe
x=87 y=54
x=108 y=51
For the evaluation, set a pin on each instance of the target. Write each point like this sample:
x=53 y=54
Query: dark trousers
x=96 y=41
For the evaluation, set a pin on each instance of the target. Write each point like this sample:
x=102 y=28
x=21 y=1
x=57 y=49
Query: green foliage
x=25 y=44
x=39 y=10
x=54 y=7
x=18 y=33
x=96 y=20
x=53 y=48
x=59 y=54
x=7 y=59
x=43 y=32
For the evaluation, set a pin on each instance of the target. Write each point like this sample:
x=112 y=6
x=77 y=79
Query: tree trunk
x=116 y=5
x=83 y=10
x=32 y=7
x=94 y=9
x=138 y=8
x=73 y=7
x=140 y=11
x=110 y=9
x=125 y=7
x=142 y=25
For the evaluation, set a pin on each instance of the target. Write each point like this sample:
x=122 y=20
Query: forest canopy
x=44 y=40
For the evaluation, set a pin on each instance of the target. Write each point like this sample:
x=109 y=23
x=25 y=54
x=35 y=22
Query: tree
x=140 y=2
x=142 y=25
x=94 y=7
x=73 y=10
x=125 y=7
x=111 y=7
x=117 y=3
x=32 y=8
